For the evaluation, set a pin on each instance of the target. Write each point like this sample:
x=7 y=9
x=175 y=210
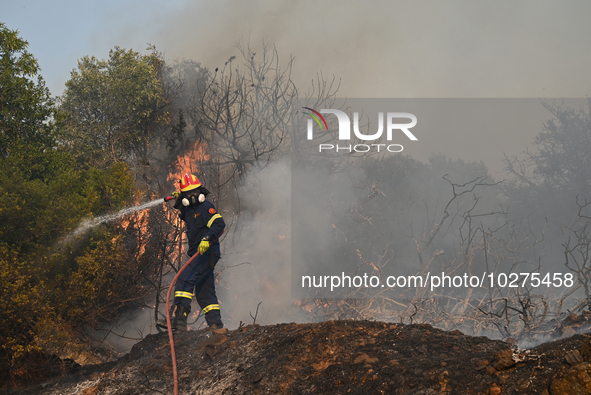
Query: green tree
x=113 y=108
x=25 y=104
x=31 y=177
x=47 y=287
x=32 y=171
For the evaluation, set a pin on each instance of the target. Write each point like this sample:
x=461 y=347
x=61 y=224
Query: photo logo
x=345 y=129
x=316 y=119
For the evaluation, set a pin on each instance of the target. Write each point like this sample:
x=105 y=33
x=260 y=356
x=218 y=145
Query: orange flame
x=187 y=163
x=140 y=220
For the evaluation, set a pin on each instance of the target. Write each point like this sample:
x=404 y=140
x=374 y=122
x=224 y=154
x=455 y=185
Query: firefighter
x=204 y=226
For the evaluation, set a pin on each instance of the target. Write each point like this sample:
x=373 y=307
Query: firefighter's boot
x=214 y=319
x=179 y=321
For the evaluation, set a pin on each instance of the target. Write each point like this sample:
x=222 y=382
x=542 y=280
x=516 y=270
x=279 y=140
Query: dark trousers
x=199 y=277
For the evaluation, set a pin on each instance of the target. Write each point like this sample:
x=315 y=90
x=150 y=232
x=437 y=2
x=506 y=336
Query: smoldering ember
x=168 y=227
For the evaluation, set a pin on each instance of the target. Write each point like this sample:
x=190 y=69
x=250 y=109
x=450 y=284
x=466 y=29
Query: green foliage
x=98 y=283
x=35 y=211
x=109 y=189
x=113 y=108
x=25 y=104
x=22 y=307
x=33 y=175
x=48 y=286
x=42 y=285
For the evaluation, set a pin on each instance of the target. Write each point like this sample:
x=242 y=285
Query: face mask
x=193 y=199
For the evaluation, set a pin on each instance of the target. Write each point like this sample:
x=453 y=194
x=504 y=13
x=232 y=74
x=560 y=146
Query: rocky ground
x=335 y=357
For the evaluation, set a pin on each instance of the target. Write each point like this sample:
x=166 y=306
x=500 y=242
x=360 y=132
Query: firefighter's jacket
x=203 y=220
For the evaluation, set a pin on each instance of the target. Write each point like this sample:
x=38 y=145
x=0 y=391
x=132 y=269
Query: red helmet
x=189 y=182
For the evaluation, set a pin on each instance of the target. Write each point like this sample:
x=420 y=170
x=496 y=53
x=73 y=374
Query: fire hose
x=168 y=323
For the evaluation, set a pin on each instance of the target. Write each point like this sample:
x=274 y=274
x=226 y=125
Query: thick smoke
x=256 y=265
x=398 y=49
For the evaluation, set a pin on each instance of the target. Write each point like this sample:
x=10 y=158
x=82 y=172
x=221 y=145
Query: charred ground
x=336 y=357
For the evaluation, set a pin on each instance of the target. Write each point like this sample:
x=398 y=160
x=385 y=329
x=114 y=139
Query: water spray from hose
x=93 y=222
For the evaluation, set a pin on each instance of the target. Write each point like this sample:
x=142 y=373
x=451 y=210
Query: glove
x=176 y=194
x=203 y=246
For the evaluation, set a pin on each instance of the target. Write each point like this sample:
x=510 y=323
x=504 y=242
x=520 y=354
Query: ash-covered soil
x=336 y=357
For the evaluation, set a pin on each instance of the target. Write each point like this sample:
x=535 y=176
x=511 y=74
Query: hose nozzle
x=168 y=198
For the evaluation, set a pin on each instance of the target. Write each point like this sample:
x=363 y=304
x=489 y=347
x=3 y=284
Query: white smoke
x=256 y=264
